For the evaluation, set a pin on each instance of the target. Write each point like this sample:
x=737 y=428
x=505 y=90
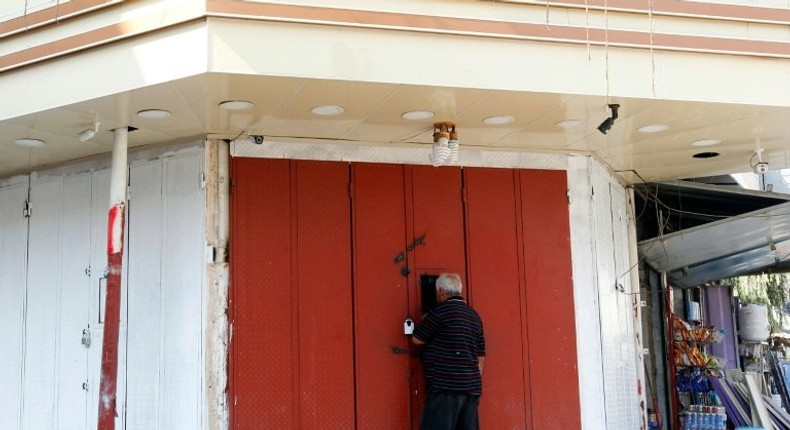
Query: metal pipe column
x=115 y=226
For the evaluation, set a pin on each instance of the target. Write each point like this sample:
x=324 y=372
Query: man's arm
x=426 y=329
x=481 y=360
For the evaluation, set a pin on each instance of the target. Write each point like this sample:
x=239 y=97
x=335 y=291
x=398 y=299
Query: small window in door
x=427 y=293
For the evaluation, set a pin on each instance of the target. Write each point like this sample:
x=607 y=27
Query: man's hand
x=481 y=363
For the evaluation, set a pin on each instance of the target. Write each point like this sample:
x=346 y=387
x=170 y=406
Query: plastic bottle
x=652 y=421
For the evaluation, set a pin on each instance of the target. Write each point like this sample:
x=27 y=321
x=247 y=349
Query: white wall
x=51 y=290
x=15 y=8
x=607 y=325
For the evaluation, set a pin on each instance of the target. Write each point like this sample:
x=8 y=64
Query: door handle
x=398 y=350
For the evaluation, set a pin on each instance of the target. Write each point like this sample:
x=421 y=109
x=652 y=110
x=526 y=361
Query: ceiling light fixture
x=416 y=115
x=86 y=135
x=236 y=105
x=30 y=143
x=607 y=124
x=445 y=144
x=570 y=123
x=153 y=114
x=327 y=110
x=499 y=120
x=653 y=128
x=706 y=142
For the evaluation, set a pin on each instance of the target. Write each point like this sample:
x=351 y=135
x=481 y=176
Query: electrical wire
x=661 y=229
x=751 y=159
x=587 y=28
x=547 y=16
x=661 y=203
x=606 y=45
x=239 y=135
x=651 y=20
x=427 y=130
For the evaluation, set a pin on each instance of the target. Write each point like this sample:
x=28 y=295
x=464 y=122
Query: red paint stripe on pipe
x=112 y=316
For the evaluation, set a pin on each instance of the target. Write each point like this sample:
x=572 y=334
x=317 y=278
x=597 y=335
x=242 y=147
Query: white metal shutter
x=166 y=295
x=13 y=251
x=74 y=304
x=605 y=318
x=50 y=378
x=617 y=334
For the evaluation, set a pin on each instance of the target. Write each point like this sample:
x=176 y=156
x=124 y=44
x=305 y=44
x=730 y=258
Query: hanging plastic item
x=753 y=323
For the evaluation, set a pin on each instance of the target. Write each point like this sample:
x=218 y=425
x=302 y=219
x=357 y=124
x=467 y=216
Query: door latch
x=86 y=337
x=85 y=385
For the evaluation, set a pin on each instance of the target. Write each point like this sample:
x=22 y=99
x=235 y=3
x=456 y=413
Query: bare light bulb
x=441 y=150
x=453 y=145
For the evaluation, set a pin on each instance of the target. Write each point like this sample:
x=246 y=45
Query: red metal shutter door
x=550 y=306
x=324 y=319
x=438 y=214
x=495 y=285
x=262 y=372
x=380 y=298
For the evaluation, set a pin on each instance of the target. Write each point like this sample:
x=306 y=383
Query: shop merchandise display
x=702 y=409
x=690 y=344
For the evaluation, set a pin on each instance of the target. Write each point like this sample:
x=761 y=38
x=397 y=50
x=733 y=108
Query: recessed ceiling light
x=706 y=142
x=236 y=105
x=415 y=115
x=499 y=120
x=327 y=110
x=30 y=143
x=653 y=128
x=153 y=114
x=705 y=155
x=570 y=123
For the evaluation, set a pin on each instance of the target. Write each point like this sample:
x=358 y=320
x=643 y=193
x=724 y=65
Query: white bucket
x=753 y=322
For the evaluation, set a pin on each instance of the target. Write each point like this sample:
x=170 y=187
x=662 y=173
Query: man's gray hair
x=450 y=283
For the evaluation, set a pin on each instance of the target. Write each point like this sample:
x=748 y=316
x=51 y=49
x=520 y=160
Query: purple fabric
x=719 y=314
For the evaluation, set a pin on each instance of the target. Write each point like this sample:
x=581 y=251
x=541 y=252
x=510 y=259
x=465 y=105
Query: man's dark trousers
x=450 y=411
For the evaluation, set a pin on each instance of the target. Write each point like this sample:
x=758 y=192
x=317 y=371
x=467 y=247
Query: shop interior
x=716 y=311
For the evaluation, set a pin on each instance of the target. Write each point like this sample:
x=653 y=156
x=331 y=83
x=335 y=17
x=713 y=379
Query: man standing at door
x=453 y=358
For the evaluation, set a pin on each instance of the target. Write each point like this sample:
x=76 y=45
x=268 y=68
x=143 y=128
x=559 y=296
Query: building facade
x=266 y=281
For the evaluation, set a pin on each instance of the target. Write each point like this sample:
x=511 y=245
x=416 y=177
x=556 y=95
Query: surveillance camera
x=761 y=167
x=606 y=125
x=252 y=138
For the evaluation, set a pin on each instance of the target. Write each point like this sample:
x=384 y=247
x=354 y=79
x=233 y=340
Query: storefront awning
x=732 y=246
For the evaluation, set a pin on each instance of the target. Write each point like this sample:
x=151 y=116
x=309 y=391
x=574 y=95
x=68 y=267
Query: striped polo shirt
x=453 y=336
